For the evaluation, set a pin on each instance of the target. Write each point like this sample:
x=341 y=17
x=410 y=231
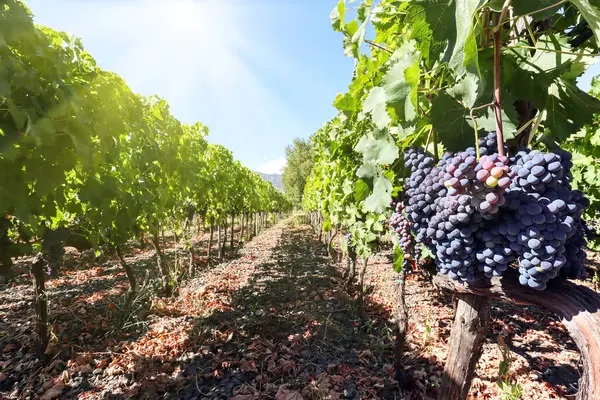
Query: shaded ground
x=544 y=357
x=271 y=322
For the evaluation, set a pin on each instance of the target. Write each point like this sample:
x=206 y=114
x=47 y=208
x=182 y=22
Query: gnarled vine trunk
x=401 y=325
x=210 y=241
x=242 y=219
x=330 y=242
x=41 y=305
x=361 y=276
x=6 y=264
x=129 y=272
x=232 y=230
x=577 y=306
x=465 y=345
x=219 y=244
x=225 y=233
x=351 y=271
x=163 y=268
x=54 y=250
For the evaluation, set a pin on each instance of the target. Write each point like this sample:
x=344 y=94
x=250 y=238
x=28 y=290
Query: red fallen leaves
x=285 y=394
x=55 y=391
x=248 y=365
x=9 y=347
x=278 y=366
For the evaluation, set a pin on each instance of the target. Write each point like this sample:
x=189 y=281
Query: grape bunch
x=551 y=233
x=483 y=215
x=350 y=246
x=422 y=189
x=401 y=227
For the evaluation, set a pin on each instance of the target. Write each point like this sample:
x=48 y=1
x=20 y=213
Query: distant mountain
x=275 y=179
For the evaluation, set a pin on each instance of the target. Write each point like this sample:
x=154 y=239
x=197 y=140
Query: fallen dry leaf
x=284 y=394
x=54 y=392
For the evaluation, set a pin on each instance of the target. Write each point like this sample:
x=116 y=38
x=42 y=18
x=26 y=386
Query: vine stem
x=428 y=137
x=475 y=127
x=572 y=53
x=370 y=42
x=497 y=97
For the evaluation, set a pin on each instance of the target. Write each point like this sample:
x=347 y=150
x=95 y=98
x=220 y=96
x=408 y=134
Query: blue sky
x=257 y=72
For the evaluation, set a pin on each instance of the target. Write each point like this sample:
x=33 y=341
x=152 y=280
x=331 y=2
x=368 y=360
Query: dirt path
x=273 y=322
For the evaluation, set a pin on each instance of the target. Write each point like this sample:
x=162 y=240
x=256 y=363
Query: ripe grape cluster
x=482 y=215
x=401 y=227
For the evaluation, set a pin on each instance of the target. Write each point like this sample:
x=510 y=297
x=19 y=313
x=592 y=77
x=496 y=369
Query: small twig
x=535 y=126
x=530 y=31
x=475 y=127
x=540 y=10
x=572 y=53
x=378 y=46
x=428 y=137
x=503 y=14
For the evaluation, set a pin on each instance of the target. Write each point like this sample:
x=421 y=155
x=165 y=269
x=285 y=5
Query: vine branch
x=475 y=123
x=371 y=43
x=572 y=53
x=497 y=97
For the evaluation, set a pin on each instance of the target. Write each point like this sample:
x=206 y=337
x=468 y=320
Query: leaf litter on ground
x=271 y=322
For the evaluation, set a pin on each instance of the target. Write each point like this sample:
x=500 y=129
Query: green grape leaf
x=486 y=119
x=375 y=104
x=361 y=189
x=337 y=16
x=381 y=197
x=346 y=103
x=401 y=83
x=363 y=10
x=466 y=90
x=367 y=170
x=568 y=109
x=452 y=21
x=377 y=151
x=449 y=119
x=595 y=138
x=398 y=258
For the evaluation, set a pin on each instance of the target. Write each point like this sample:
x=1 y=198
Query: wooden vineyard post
x=465 y=345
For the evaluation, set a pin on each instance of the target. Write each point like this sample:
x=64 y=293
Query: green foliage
x=78 y=146
x=299 y=159
x=398 y=258
x=510 y=387
x=585 y=146
x=428 y=63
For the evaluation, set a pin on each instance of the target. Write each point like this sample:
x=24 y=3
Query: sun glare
x=204 y=20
